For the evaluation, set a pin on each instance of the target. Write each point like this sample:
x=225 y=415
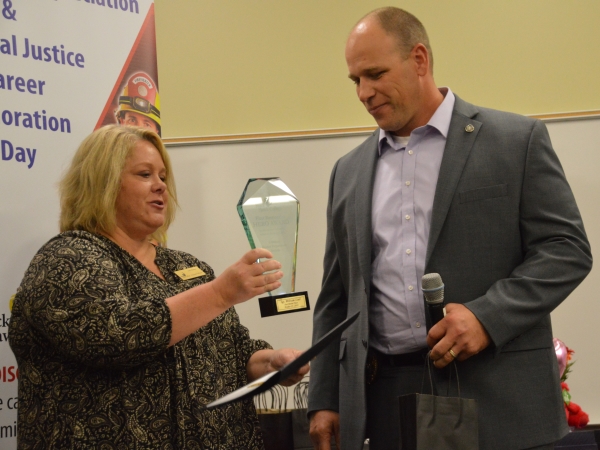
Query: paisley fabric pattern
x=90 y=330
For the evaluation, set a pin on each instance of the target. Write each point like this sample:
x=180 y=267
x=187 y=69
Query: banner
x=66 y=68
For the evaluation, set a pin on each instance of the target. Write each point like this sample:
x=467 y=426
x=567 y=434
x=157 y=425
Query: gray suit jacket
x=506 y=237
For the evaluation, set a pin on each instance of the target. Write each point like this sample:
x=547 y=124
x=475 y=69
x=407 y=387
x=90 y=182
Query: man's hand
x=459 y=335
x=323 y=425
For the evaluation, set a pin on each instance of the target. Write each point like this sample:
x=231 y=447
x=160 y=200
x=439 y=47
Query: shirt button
x=407 y=217
x=418 y=324
x=407 y=183
x=408 y=251
x=410 y=152
x=410 y=288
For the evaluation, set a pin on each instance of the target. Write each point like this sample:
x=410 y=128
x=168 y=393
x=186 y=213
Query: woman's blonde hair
x=89 y=189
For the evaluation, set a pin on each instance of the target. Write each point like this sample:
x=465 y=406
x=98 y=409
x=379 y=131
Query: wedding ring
x=452 y=353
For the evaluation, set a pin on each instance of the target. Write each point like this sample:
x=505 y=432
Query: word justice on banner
x=56 y=54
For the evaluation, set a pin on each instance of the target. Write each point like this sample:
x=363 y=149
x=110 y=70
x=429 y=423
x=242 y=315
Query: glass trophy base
x=283 y=304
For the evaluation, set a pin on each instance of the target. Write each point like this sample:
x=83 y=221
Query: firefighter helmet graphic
x=139 y=97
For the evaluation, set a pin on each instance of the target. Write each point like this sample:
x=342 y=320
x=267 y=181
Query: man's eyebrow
x=368 y=71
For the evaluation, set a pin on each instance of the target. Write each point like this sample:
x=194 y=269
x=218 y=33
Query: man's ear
x=421 y=57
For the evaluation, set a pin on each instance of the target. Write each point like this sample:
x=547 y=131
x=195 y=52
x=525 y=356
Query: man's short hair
x=405 y=28
x=89 y=188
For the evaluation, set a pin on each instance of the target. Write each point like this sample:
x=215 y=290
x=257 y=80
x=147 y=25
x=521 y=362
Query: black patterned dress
x=90 y=329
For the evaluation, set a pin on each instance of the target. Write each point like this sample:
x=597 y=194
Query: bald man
x=473 y=194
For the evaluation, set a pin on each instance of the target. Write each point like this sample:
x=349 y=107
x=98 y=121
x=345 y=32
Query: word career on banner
x=21 y=154
x=56 y=54
x=10 y=82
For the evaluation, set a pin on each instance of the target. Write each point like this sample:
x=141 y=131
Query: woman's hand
x=247 y=278
x=194 y=308
x=263 y=362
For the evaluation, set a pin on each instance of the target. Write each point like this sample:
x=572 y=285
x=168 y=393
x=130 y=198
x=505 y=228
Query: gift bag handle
x=431 y=376
x=448 y=389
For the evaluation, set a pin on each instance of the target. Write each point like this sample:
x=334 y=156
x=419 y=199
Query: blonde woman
x=118 y=345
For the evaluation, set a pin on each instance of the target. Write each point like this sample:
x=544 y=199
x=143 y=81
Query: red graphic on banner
x=134 y=99
x=9 y=374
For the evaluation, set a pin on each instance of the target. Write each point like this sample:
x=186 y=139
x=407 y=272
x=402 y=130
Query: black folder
x=271 y=379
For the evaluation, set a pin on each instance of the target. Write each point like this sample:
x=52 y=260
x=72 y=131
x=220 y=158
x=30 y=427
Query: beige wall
x=236 y=67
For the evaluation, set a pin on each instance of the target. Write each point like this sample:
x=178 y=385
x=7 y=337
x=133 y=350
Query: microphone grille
x=433 y=287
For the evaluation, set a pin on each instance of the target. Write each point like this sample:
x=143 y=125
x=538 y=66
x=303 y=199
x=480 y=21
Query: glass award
x=270 y=212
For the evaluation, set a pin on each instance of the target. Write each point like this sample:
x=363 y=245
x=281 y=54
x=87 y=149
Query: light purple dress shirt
x=405 y=182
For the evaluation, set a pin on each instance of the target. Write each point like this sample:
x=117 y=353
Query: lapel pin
x=469 y=128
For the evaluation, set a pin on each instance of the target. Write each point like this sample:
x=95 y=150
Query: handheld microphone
x=433 y=289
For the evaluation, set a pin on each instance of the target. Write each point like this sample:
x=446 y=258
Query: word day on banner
x=66 y=68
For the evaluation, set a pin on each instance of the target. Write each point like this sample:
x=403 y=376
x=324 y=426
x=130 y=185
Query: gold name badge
x=189 y=273
x=290 y=303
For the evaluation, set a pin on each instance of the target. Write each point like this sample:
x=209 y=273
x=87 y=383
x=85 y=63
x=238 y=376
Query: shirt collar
x=440 y=120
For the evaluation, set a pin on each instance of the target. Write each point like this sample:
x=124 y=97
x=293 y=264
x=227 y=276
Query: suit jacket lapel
x=461 y=137
x=363 y=197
